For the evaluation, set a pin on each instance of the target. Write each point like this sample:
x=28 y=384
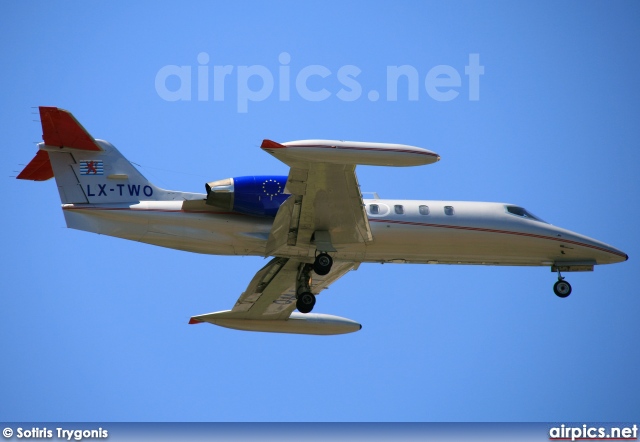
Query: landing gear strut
x=305 y=299
x=322 y=264
x=561 y=288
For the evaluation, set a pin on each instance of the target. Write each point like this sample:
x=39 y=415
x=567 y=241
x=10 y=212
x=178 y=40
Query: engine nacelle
x=251 y=195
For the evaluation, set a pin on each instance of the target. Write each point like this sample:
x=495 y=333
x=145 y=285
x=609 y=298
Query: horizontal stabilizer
x=298 y=323
x=61 y=129
x=39 y=169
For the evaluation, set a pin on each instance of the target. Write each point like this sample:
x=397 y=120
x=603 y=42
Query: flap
x=325 y=197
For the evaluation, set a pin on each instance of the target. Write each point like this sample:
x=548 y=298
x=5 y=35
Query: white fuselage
x=453 y=232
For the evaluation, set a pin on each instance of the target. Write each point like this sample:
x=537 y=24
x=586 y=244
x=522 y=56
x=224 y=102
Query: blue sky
x=95 y=328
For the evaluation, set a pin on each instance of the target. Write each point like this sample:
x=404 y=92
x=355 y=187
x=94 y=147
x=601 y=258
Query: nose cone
x=602 y=253
x=608 y=254
x=616 y=255
x=575 y=247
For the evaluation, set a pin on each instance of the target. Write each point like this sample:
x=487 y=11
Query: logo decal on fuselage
x=271 y=188
x=91 y=168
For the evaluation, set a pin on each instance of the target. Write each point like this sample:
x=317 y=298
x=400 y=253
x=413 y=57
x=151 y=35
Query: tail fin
x=86 y=170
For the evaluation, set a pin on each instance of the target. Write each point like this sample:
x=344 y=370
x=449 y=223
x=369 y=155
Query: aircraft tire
x=562 y=288
x=305 y=302
x=322 y=264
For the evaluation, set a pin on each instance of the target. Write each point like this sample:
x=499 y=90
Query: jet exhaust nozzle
x=220 y=193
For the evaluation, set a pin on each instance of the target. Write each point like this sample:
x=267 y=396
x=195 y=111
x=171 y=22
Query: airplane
x=314 y=223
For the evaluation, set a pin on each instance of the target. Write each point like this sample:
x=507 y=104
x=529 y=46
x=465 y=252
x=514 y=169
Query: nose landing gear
x=561 y=288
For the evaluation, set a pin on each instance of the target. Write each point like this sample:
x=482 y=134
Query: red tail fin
x=60 y=128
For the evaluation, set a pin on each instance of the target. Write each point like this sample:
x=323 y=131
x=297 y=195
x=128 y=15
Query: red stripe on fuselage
x=152 y=210
x=506 y=232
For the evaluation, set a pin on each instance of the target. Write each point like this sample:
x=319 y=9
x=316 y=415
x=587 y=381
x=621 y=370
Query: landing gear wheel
x=305 y=302
x=562 y=288
x=322 y=264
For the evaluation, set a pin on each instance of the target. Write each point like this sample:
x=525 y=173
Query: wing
x=270 y=298
x=324 y=213
x=325 y=209
x=271 y=294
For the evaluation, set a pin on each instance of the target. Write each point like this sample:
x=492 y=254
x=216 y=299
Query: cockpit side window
x=522 y=213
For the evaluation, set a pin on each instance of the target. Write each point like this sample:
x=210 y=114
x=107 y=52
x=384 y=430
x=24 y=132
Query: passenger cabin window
x=523 y=213
x=374 y=209
x=448 y=210
x=398 y=209
x=424 y=210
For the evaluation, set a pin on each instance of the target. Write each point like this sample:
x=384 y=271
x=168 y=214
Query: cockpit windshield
x=523 y=213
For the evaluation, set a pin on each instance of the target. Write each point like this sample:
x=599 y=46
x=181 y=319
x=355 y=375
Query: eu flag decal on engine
x=91 y=168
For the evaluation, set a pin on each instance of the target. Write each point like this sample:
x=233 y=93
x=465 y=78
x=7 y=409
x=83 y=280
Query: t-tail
x=87 y=170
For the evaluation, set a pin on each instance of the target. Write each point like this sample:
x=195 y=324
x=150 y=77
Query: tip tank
x=298 y=323
x=349 y=152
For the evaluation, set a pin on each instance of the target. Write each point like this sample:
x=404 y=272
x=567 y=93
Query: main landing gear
x=322 y=264
x=305 y=300
x=561 y=288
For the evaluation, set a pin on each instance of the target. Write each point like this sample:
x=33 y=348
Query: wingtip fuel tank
x=298 y=323
x=349 y=152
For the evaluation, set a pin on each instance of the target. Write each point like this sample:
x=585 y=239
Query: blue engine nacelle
x=251 y=195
